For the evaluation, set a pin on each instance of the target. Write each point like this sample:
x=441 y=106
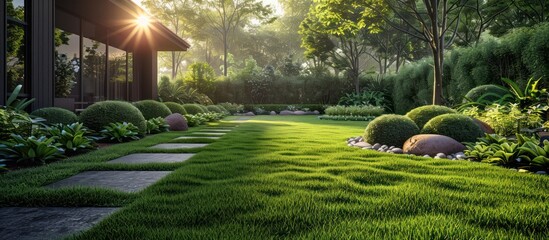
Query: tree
x=334 y=31
x=201 y=76
x=225 y=16
x=518 y=13
x=174 y=14
x=434 y=19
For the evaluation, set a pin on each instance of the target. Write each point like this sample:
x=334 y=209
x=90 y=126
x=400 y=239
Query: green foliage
x=210 y=116
x=193 y=109
x=29 y=151
x=422 y=115
x=120 y=132
x=64 y=75
x=460 y=127
x=213 y=108
x=201 y=76
x=507 y=119
x=176 y=108
x=14 y=122
x=177 y=92
x=204 y=108
x=413 y=86
x=232 y=107
x=266 y=108
x=223 y=110
x=531 y=95
x=55 y=115
x=367 y=110
x=157 y=125
x=347 y=118
x=194 y=120
x=74 y=137
x=374 y=98
x=152 y=109
x=537 y=155
x=16 y=104
x=390 y=129
x=103 y=113
x=487 y=94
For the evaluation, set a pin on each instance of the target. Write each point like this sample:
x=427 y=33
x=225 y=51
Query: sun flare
x=143 y=21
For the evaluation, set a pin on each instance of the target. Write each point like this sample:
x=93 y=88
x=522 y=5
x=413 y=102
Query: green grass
x=295 y=177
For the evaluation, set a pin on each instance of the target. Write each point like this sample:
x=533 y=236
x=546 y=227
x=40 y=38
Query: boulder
x=177 y=122
x=432 y=144
x=316 y=112
x=362 y=144
x=484 y=126
x=299 y=113
x=286 y=112
x=249 y=114
x=272 y=113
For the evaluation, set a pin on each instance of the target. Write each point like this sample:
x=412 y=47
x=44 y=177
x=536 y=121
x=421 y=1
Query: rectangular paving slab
x=126 y=181
x=196 y=137
x=215 y=130
x=153 y=158
x=179 y=145
x=210 y=133
x=48 y=222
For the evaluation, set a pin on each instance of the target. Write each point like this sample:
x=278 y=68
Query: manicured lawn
x=295 y=177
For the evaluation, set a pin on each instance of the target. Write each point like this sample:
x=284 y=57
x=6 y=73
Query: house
x=72 y=53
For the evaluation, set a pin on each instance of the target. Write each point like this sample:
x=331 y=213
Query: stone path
x=179 y=145
x=196 y=137
x=58 y=222
x=153 y=158
x=126 y=181
x=48 y=222
x=209 y=133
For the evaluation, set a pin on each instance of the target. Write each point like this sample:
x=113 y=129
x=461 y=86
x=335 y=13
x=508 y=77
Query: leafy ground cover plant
x=74 y=138
x=194 y=120
x=374 y=98
x=232 y=107
x=30 y=151
x=120 y=132
x=157 y=125
x=507 y=119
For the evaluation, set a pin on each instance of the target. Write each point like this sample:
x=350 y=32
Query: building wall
x=2 y=52
x=42 y=53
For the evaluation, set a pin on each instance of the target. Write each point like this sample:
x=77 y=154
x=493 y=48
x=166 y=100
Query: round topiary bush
x=457 y=126
x=204 y=108
x=176 y=108
x=421 y=115
x=152 y=109
x=490 y=93
x=55 y=115
x=101 y=114
x=390 y=129
x=193 y=109
x=213 y=108
x=223 y=109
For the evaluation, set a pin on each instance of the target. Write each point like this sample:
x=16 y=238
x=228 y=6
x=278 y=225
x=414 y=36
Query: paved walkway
x=55 y=222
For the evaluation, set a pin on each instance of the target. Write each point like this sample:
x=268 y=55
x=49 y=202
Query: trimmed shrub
x=55 y=115
x=232 y=107
x=457 y=126
x=152 y=109
x=421 y=115
x=367 y=110
x=176 y=108
x=488 y=93
x=204 y=108
x=213 y=108
x=390 y=129
x=223 y=109
x=101 y=114
x=193 y=108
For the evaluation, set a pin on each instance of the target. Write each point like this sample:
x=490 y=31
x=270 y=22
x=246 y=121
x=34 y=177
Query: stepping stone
x=179 y=145
x=48 y=222
x=196 y=137
x=153 y=158
x=215 y=130
x=210 y=133
x=126 y=181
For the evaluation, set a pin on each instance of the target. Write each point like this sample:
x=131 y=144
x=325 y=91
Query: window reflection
x=117 y=73
x=93 y=70
x=15 y=56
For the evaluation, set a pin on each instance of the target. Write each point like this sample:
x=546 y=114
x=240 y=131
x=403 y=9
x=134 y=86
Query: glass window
x=15 y=57
x=67 y=65
x=117 y=74
x=132 y=93
x=16 y=9
x=93 y=70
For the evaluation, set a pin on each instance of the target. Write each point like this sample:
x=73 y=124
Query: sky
x=277 y=8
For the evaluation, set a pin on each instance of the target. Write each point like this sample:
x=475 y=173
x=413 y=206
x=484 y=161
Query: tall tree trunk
x=225 y=55
x=174 y=68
